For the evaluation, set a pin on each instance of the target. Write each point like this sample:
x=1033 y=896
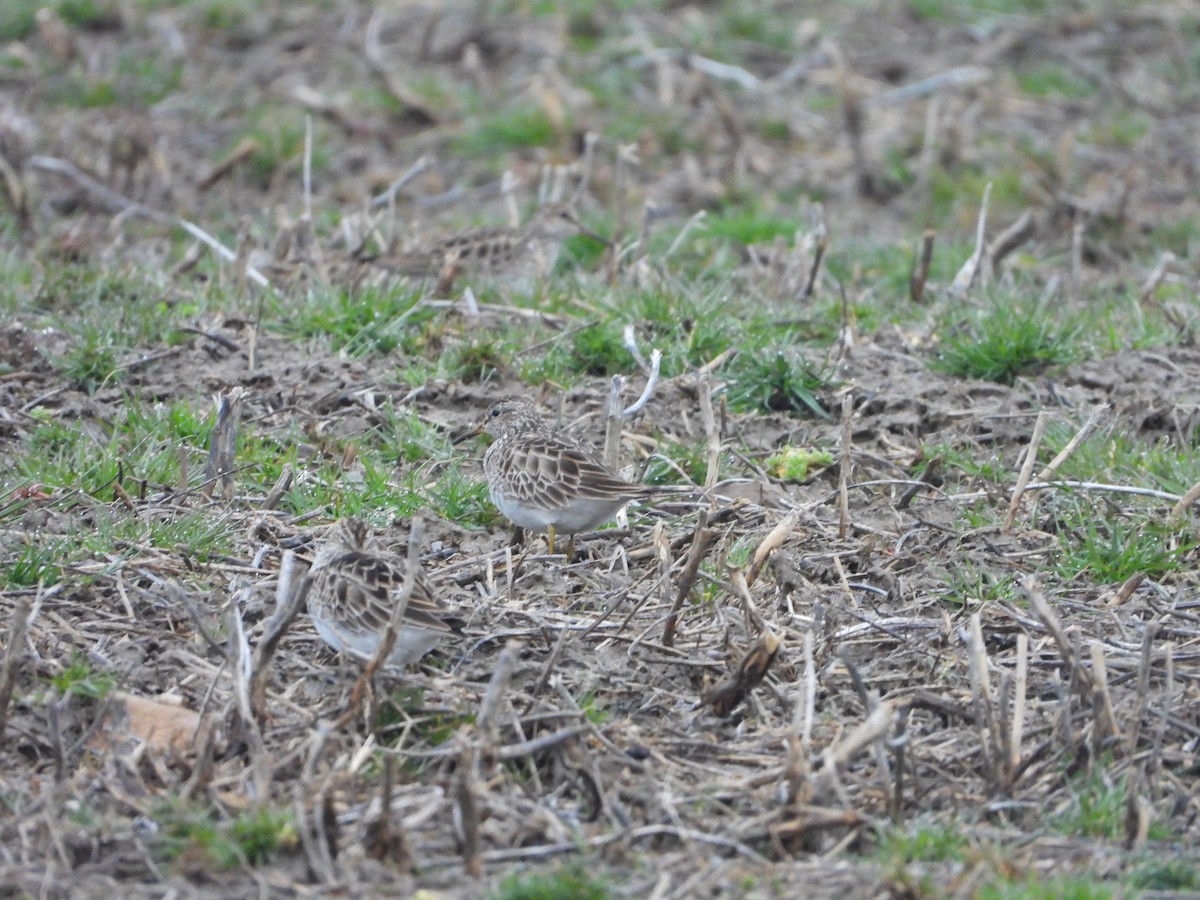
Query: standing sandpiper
x=547 y=482
x=355 y=587
x=517 y=256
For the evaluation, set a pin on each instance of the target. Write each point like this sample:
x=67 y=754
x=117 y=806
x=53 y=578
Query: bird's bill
x=467 y=435
x=587 y=232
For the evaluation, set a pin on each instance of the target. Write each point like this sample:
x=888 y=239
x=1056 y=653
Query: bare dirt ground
x=941 y=677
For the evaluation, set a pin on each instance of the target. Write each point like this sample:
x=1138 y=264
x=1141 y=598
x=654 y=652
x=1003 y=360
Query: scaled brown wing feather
x=462 y=248
x=551 y=473
x=472 y=238
x=372 y=585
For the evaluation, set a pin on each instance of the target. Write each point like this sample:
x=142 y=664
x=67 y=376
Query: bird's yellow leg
x=571 y=549
x=550 y=539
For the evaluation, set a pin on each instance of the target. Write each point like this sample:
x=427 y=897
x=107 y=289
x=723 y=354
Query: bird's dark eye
x=495 y=412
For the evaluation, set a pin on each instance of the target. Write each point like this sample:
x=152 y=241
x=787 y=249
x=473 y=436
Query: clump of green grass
x=749 y=25
x=775 y=130
x=593 y=709
x=410 y=439
x=199 y=534
x=774 y=377
x=198 y=836
x=112 y=534
x=750 y=226
x=1166 y=875
x=972 y=465
x=386 y=468
x=954 y=11
x=1116 y=456
x=84 y=92
x=60 y=456
x=1121 y=322
x=505 y=130
x=104 y=313
x=740 y=553
x=375 y=321
x=688 y=327
x=954 y=194
x=278 y=143
x=614 y=89
x=567 y=883
x=144 y=80
x=416 y=372
x=403 y=711
x=868 y=268
x=176 y=422
x=36 y=564
x=327 y=487
x=137 y=80
x=1055 y=80
x=143 y=448
x=1112 y=548
x=904 y=850
x=1119 y=128
x=224 y=15
x=477 y=359
x=457 y=498
x=381 y=477
x=88 y=14
x=1181 y=236
x=583 y=26
x=92 y=363
x=1008 y=338
x=79 y=471
x=923 y=842
x=1097 y=808
x=671 y=458
x=18 y=18
x=78 y=678
x=595 y=349
x=599 y=349
x=1065 y=887
x=968 y=587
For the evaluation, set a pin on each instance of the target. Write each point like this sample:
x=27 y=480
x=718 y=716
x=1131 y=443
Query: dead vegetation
x=883 y=677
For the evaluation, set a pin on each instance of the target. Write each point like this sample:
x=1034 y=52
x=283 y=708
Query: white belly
x=411 y=642
x=579 y=515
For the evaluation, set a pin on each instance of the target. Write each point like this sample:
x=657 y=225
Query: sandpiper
x=545 y=481
x=355 y=587
x=517 y=255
